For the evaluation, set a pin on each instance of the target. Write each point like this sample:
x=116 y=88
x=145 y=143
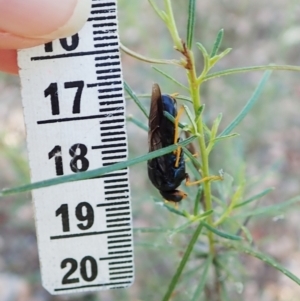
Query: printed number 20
x=87 y=260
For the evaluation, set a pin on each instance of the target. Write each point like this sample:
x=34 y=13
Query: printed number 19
x=84 y=212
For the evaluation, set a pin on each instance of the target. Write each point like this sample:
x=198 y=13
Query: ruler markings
x=114 y=157
x=111 y=63
x=88 y=234
x=118 y=225
x=120 y=262
x=128 y=272
x=111 y=127
x=112 y=17
x=116 y=186
x=108 y=146
x=118 y=213
x=118 y=241
x=79 y=118
x=119 y=236
x=73 y=54
x=116 y=220
x=103 y=4
x=125 y=197
x=113 y=204
x=115 y=257
x=116 y=209
x=109 y=96
x=117 y=278
x=114 y=132
x=120 y=246
x=109 y=82
x=121 y=267
x=92 y=285
x=103 y=11
x=117 y=177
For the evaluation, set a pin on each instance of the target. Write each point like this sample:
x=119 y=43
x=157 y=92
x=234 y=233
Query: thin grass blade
x=191 y=23
x=250 y=69
x=183 y=262
x=96 y=172
x=266 y=259
x=221 y=233
x=217 y=43
x=255 y=197
x=270 y=210
x=248 y=105
x=135 y=99
x=203 y=279
x=169 y=77
x=137 y=123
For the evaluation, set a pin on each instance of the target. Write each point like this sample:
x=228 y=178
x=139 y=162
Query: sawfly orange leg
x=177 y=152
x=188 y=182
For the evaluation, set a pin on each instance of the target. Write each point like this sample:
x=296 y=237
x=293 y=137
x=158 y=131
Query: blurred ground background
x=260 y=32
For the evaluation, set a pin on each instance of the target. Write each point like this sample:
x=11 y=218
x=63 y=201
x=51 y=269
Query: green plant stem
x=195 y=95
x=183 y=262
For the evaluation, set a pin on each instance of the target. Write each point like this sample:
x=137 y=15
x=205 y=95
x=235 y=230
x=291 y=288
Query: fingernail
x=74 y=23
x=45 y=19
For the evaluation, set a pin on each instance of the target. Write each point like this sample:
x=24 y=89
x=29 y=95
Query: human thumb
x=32 y=22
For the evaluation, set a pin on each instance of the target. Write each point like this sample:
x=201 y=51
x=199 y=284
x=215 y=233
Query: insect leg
x=188 y=182
x=175 y=204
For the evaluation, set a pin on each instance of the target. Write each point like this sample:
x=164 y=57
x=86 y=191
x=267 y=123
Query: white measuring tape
x=74 y=109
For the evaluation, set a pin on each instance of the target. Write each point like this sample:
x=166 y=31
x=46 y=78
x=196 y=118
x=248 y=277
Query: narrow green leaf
x=96 y=172
x=137 y=123
x=270 y=210
x=216 y=58
x=255 y=197
x=213 y=132
x=205 y=58
x=221 y=233
x=178 y=97
x=149 y=59
x=192 y=158
x=172 y=209
x=217 y=43
x=265 y=258
x=190 y=222
x=156 y=9
x=171 y=118
x=199 y=112
x=191 y=118
x=170 y=78
x=247 y=69
x=226 y=137
x=183 y=262
x=197 y=199
x=135 y=99
x=191 y=23
x=203 y=279
x=185 y=98
x=248 y=105
x=215 y=126
x=247 y=234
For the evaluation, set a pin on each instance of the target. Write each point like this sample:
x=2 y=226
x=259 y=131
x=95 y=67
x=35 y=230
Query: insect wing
x=155 y=116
